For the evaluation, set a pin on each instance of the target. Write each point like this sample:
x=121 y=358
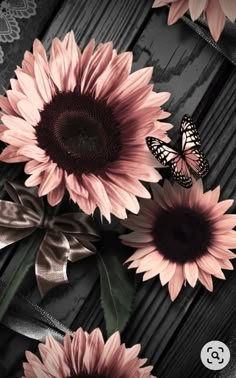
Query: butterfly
x=183 y=163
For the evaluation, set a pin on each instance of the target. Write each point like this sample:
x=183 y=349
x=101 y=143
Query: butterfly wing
x=191 y=144
x=190 y=135
x=197 y=161
x=162 y=152
x=167 y=156
x=180 y=172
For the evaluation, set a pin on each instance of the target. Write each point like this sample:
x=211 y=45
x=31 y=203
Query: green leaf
x=26 y=259
x=117 y=283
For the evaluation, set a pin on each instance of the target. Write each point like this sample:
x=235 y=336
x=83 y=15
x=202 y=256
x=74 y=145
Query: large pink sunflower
x=215 y=11
x=86 y=356
x=80 y=120
x=182 y=235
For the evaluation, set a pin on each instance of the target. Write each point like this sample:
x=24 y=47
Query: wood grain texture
x=186 y=66
x=230 y=370
x=29 y=30
x=219 y=138
x=210 y=318
x=87 y=20
x=156 y=320
x=13 y=54
x=91 y=20
x=116 y=21
x=97 y=19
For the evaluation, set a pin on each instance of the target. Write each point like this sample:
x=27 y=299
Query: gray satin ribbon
x=67 y=236
x=226 y=45
x=31 y=320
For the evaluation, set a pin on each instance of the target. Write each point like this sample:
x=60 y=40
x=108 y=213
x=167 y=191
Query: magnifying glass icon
x=215 y=355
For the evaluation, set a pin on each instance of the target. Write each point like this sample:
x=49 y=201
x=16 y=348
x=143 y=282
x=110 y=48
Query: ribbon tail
x=30 y=320
x=79 y=249
x=11 y=235
x=51 y=261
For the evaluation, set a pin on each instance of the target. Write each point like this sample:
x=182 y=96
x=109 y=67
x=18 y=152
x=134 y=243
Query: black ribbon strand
x=30 y=320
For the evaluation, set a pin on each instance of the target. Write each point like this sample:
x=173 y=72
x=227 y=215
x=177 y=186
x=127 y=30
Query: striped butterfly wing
x=191 y=144
x=168 y=157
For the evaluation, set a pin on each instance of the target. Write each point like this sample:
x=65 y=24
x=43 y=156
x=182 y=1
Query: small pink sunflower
x=182 y=235
x=215 y=11
x=86 y=356
x=80 y=120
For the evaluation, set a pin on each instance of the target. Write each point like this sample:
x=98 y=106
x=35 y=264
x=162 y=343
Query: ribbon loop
x=27 y=198
x=47 y=221
x=14 y=215
x=67 y=236
x=51 y=261
x=77 y=224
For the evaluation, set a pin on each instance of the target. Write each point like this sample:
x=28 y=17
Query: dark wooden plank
x=102 y=20
x=84 y=19
x=184 y=64
x=156 y=319
x=117 y=21
x=12 y=349
x=230 y=369
x=91 y=19
x=13 y=55
x=14 y=51
x=210 y=318
x=172 y=67
x=219 y=138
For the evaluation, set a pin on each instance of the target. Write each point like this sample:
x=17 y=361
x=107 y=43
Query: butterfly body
x=189 y=159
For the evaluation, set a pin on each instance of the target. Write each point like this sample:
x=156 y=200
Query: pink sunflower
x=215 y=11
x=80 y=120
x=86 y=355
x=182 y=235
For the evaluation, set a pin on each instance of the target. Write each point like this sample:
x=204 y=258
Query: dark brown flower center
x=182 y=234
x=79 y=133
x=89 y=376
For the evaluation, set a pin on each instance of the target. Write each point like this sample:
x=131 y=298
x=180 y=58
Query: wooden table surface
x=202 y=83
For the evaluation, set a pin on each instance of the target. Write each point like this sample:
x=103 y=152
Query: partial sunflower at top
x=80 y=121
x=215 y=11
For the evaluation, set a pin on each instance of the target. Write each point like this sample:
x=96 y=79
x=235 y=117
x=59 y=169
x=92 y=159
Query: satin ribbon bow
x=67 y=236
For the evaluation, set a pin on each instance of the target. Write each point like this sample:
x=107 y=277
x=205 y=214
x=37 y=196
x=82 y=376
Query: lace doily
x=10 y=11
